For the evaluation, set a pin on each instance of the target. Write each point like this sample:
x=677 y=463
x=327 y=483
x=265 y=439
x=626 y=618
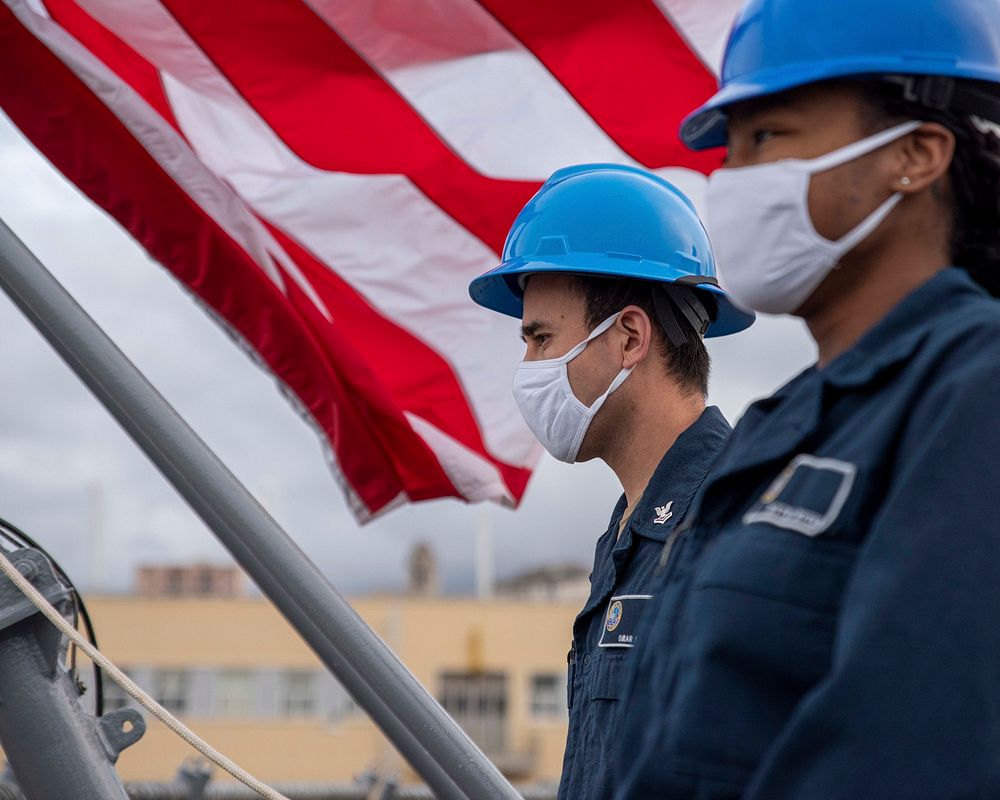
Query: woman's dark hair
x=689 y=364
x=974 y=173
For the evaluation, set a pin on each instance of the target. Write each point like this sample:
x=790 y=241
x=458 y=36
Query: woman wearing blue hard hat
x=612 y=275
x=838 y=635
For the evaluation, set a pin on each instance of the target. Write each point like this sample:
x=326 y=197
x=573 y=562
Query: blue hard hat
x=780 y=44
x=611 y=220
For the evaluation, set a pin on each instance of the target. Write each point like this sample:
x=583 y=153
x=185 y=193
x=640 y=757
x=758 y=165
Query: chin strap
x=671 y=300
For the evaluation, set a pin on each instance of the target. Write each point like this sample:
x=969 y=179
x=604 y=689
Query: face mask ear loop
x=602 y=328
x=619 y=379
x=864 y=229
x=850 y=240
x=596 y=406
x=859 y=148
x=574 y=351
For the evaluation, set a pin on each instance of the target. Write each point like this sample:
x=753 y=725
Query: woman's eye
x=763 y=135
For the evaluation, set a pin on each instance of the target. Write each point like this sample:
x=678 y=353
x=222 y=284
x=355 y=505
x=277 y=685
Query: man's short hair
x=689 y=364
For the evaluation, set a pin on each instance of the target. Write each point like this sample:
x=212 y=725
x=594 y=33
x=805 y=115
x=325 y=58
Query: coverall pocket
x=607 y=680
x=757 y=635
x=779 y=565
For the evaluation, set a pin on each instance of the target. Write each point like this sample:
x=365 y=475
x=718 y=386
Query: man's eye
x=763 y=135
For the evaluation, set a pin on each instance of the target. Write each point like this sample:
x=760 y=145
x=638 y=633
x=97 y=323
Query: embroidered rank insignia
x=663 y=513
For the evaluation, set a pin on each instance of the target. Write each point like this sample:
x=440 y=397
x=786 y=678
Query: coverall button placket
x=613 y=620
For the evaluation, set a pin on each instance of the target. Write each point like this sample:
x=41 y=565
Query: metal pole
x=420 y=729
x=56 y=747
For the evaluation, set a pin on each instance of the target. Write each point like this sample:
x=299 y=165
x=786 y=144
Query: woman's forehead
x=826 y=97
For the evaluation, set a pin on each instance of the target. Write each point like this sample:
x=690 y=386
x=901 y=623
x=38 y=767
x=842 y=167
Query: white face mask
x=770 y=256
x=549 y=407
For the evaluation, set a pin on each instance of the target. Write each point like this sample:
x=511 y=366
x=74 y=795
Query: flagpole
x=453 y=767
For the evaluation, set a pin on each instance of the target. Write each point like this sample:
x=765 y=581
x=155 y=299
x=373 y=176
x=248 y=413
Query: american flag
x=326 y=176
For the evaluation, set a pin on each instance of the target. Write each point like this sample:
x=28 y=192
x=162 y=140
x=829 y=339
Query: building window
x=297 y=694
x=548 y=695
x=170 y=689
x=206 y=581
x=478 y=702
x=115 y=698
x=235 y=693
x=175 y=582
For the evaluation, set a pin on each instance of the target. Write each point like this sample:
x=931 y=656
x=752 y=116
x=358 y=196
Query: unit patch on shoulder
x=622 y=618
x=806 y=497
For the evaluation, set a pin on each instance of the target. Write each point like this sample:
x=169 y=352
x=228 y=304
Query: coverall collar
x=677 y=478
x=897 y=335
x=888 y=343
x=675 y=482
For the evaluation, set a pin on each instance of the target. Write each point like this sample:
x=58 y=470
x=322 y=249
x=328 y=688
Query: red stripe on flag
x=419 y=472
x=415 y=375
x=335 y=112
x=92 y=147
x=626 y=66
x=121 y=59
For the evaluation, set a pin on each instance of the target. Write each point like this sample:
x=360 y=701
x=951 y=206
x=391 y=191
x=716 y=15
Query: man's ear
x=635 y=324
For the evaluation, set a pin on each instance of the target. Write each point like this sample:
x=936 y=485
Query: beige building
x=189 y=580
x=566 y=583
x=234 y=671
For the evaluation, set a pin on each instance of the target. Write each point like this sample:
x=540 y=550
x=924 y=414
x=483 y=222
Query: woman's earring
x=905 y=180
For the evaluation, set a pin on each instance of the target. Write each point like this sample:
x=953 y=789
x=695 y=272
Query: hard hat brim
x=706 y=126
x=500 y=289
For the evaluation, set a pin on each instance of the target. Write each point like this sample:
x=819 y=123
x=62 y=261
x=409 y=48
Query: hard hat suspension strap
x=943 y=93
x=669 y=301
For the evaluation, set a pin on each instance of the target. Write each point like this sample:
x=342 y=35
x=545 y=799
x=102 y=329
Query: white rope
x=130 y=687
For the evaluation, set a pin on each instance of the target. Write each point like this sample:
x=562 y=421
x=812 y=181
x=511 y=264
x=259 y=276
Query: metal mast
x=425 y=735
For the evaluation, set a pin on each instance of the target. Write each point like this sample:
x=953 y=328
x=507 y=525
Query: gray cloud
x=58 y=444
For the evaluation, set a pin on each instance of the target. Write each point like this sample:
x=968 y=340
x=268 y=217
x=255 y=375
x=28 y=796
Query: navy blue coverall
x=606 y=632
x=828 y=620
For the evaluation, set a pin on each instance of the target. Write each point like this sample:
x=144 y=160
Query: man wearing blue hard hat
x=827 y=619
x=611 y=272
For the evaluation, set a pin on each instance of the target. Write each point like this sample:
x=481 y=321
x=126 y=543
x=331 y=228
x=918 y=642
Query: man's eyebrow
x=529 y=329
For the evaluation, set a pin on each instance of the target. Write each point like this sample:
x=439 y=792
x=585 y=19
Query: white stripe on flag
x=163 y=143
x=174 y=156
x=379 y=233
x=705 y=24
x=170 y=150
x=474 y=478
x=499 y=108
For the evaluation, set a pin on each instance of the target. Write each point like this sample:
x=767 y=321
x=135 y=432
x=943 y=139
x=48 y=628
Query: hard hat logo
x=618 y=222
x=775 y=46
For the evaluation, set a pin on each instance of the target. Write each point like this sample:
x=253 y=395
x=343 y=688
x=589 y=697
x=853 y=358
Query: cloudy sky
x=72 y=479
